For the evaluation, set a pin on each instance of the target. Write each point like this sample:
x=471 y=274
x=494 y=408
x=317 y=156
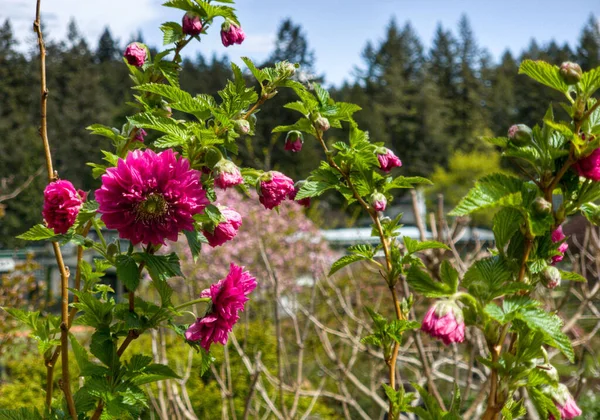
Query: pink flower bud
x=294 y=141
x=388 y=160
x=378 y=201
x=227 y=174
x=62 y=203
x=305 y=202
x=135 y=54
x=566 y=405
x=520 y=134
x=559 y=236
x=231 y=34
x=139 y=136
x=241 y=126
x=570 y=72
x=226 y=230
x=191 y=24
x=444 y=320
x=274 y=188
x=589 y=167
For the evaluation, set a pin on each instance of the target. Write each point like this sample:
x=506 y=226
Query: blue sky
x=337 y=29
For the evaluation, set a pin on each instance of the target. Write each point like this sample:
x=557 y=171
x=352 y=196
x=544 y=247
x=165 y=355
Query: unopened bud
x=520 y=134
x=378 y=201
x=322 y=123
x=551 y=277
x=570 y=72
x=241 y=126
x=541 y=206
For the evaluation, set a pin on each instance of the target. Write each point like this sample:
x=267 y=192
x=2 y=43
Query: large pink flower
x=62 y=203
x=274 y=188
x=151 y=197
x=388 y=160
x=228 y=298
x=226 y=230
x=444 y=320
x=589 y=167
x=191 y=24
x=559 y=236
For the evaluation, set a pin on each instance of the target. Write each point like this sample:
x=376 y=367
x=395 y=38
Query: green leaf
x=161 y=267
x=544 y=73
x=491 y=191
x=313 y=189
x=505 y=224
x=572 y=276
x=550 y=325
x=344 y=261
x=486 y=279
x=20 y=414
x=195 y=241
x=542 y=403
x=104 y=347
x=158 y=123
x=259 y=75
x=449 y=275
x=406 y=182
x=412 y=245
x=172 y=32
x=423 y=284
x=128 y=272
x=590 y=82
x=38 y=233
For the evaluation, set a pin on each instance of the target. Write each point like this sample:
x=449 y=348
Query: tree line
x=426 y=103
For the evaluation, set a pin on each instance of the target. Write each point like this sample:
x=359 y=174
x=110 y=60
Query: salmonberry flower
x=231 y=34
x=228 y=298
x=322 y=123
x=566 y=405
x=62 y=203
x=551 y=277
x=191 y=24
x=135 y=54
x=570 y=72
x=559 y=236
x=444 y=320
x=305 y=202
x=227 y=174
x=388 y=160
x=520 y=134
x=275 y=187
x=589 y=167
x=151 y=197
x=226 y=230
x=294 y=141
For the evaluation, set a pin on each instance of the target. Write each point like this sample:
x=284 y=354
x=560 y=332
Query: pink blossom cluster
x=388 y=160
x=228 y=297
x=231 y=34
x=589 y=167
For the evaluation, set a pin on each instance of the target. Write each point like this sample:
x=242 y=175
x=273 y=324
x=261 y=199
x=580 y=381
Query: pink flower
x=274 y=188
x=228 y=298
x=388 y=160
x=293 y=141
x=231 y=34
x=378 y=201
x=444 y=320
x=589 y=167
x=305 y=202
x=224 y=231
x=135 y=54
x=62 y=203
x=559 y=236
x=151 y=197
x=139 y=136
x=566 y=405
x=322 y=123
x=191 y=24
x=227 y=174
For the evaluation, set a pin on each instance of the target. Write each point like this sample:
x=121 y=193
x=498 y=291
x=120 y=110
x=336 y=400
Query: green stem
x=192 y=302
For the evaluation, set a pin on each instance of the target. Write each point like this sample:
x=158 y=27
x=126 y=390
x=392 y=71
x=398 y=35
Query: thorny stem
x=391 y=362
x=64 y=272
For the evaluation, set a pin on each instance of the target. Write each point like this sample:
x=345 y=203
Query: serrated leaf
x=20 y=414
x=412 y=245
x=423 y=284
x=172 y=32
x=194 y=240
x=572 y=276
x=38 y=233
x=344 y=261
x=490 y=191
x=551 y=326
x=505 y=224
x=313 y=189
x=127 y=272
x=590 y=81
x=406 y=182
x=544 y=73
